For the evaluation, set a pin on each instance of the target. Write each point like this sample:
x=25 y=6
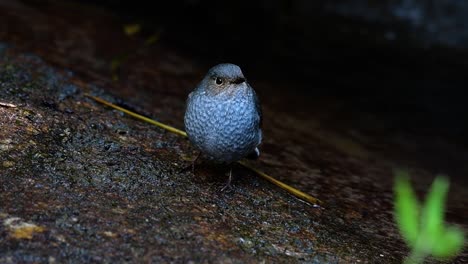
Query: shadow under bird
x=223 y=116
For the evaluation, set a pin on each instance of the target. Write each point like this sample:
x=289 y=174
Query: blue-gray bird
x=223 y=116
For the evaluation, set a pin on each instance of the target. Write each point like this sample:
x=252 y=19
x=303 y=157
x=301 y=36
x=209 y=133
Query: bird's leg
x=194 y=161
x=228 y=184
x=192 y=164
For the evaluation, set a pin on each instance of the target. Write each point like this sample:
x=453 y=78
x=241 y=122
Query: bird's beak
x=239 y=80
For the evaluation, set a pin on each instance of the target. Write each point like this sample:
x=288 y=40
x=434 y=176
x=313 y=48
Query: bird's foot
x=228 y=185
x=191 y=166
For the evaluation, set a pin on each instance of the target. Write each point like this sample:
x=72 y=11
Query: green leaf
x=449 y=244
x=433 y=210
x=406 y=208
x=425 y=232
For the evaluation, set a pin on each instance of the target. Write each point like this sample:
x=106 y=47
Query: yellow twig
x=137 y=116
x=299 y=194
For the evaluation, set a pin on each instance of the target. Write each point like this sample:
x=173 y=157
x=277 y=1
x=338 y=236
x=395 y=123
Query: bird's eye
x=219 y=81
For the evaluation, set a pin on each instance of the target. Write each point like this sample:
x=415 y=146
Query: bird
x=223 y=117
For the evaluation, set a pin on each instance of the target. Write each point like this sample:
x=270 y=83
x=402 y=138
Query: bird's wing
x=258 y=107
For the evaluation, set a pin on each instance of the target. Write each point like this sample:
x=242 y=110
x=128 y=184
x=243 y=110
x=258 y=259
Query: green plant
x=422 y=226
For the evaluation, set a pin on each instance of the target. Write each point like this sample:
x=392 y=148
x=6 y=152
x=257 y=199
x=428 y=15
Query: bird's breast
x=222 y=127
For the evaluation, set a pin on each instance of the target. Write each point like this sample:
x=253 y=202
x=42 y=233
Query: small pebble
x=8 y=164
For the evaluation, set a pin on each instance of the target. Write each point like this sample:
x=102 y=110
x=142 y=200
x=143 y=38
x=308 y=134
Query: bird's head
x=224 y=77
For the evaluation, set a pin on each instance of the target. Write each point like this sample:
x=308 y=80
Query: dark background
x=403 y=59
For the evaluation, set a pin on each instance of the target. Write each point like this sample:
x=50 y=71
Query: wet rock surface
x=84 y=183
